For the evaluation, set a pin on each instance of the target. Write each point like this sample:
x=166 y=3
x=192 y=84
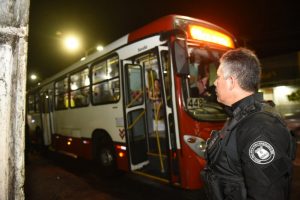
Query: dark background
x=267 y=27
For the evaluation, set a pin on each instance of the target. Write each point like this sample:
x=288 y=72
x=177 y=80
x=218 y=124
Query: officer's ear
x=231 y=82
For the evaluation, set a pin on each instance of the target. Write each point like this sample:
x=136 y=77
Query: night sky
x=267 y=27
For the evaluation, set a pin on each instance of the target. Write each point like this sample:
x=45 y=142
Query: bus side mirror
x=181 y=57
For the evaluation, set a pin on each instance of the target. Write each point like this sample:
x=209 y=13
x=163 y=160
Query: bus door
x=145 y=113
x=47 y=116
x=135 y=115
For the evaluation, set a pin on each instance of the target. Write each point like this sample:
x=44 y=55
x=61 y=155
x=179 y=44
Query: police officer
x=250 y=158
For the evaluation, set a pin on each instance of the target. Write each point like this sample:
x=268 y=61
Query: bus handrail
x=136 y=120
x=135 y=99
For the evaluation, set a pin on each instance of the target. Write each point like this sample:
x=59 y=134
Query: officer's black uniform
x=249 y=158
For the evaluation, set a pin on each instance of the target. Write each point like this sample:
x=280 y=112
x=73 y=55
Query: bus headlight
x=197 y=144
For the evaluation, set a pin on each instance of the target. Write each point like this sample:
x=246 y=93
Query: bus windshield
x=199 y=93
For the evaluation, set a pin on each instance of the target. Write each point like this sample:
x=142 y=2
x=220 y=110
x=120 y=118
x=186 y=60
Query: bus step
x=155 y=164
x=156 y=155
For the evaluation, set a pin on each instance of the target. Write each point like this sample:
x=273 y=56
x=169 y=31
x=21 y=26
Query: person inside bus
x=66 y=97
x=194 y=74
x=202 y=82
x=81 y=98
x=155 y=97
x=101 y=94
x=198 y=74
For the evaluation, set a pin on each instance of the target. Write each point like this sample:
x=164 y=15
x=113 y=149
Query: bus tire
x=104 y=155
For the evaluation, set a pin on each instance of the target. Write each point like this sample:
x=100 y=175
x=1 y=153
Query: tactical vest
x=222 y=148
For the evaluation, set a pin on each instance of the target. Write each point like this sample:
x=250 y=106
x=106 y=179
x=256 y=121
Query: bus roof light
x=209 y=35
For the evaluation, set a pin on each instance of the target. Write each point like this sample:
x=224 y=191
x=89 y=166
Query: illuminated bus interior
x=200 y=93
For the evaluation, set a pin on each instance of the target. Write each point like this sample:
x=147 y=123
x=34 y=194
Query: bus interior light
x=209 y=35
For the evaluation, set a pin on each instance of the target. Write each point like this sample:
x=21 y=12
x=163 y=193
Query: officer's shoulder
x=262 y=123
x=264 y=118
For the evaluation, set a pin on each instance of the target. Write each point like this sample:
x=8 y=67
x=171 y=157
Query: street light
x=72 y=43
x=33 y=77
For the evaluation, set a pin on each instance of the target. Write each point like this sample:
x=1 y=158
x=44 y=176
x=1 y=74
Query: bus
x=145 y=104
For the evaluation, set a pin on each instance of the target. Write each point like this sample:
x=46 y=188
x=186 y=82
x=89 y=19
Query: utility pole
x=14 y=16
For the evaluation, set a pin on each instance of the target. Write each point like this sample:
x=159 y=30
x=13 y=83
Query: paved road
x=57 y=177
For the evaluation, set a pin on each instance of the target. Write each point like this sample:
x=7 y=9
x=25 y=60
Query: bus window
x=31 y=104
x=105 y=77
x=44 y=102
x=37 y=102
x=135 y=90
x=99 y=72
x=181 y=57
x=79 y=85
x=61 y=94
x=201 y=96
x=34 y=103
x=50 y=96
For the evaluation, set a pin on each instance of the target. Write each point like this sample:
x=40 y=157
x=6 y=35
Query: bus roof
x=168 y=23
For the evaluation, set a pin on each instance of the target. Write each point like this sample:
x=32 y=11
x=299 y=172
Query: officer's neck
x=238 y=95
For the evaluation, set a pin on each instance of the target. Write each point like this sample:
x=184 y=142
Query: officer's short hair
x=244 y=65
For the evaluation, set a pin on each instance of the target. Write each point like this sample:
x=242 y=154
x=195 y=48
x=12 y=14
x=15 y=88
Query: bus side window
x=80 y=97
x=101 y=93
x=79 y=85
x=61 y=94
x=96 y=94
x=31 y=104
x=115 y=88
x=105 y=77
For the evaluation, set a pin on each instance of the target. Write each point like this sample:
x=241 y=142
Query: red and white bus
x=145 y=104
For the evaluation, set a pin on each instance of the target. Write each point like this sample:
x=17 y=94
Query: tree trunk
x=14 y=16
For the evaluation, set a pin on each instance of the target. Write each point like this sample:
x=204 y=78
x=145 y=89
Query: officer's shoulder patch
x=261 y=152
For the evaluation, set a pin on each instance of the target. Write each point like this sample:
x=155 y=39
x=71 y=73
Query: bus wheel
x=104 y=155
